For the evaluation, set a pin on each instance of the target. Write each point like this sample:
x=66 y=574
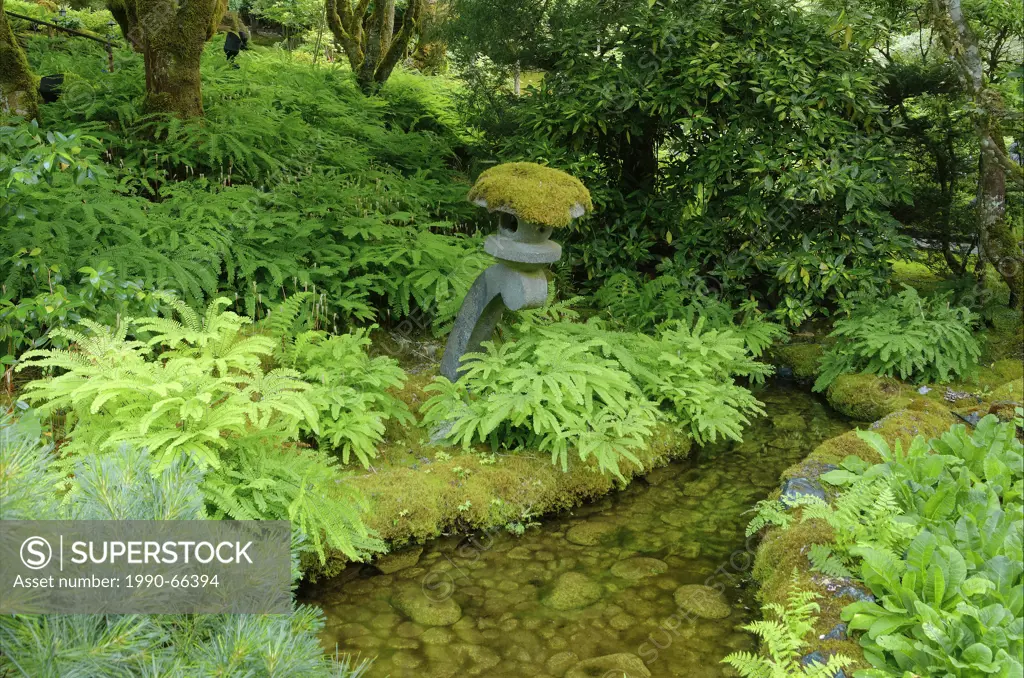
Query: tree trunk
x=125 y=13
x=997 y=244
x=19 y=90
x=370 y=42
x=173 y=84
x=172 y=38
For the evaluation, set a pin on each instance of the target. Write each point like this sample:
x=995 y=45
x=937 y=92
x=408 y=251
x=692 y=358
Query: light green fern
x=783 y=642
x=196 y=386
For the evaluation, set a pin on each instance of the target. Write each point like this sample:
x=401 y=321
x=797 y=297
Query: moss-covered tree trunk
x=19 y=91
x=125 y=13
x=171 y=36
x=431 y=52
x=370 y=41
x=999 y=246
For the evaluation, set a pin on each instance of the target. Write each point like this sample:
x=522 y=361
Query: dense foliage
x=949 y=588
x=935 y=532
x=918 y=339
x=199 y=255
x=738 y=139
x=118 y=486
x=196 y=386
x=564 y=386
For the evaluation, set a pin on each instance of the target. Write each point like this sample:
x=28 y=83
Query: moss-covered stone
x=784 y=551
x=534 y=193
x=573 y=591
x=635 y=569
x=414 y=603
x=400 y=560
x=416 y=493
x=702 y=601
x=802 y=359
x=589 y=533
x=867 y=397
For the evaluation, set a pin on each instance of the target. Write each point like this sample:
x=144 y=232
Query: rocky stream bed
x=650 y=581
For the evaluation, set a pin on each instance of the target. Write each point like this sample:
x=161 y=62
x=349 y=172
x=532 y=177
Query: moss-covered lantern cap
x=534 y=193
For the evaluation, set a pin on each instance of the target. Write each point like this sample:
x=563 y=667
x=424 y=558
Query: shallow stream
x=596 y=582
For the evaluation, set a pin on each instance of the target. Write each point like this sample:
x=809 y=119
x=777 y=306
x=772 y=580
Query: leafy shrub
x=736 y=90
x=568 y=385
x=904 y=335
x=949 y=599
x=936 y=532
x=350 y=389
x=642 y=305
x=203 y=394
x=546 y=393
x=784 y=637
x=118 y=486
x=294 y=181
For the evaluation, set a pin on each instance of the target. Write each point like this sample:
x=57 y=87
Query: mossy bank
x=905 y=413
x=418 y=490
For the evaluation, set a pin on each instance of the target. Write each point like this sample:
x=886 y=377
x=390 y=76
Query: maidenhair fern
x=350 y=390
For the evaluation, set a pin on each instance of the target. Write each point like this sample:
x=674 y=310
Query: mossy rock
x=702 y=601
x=395 y=562
x=414 y=603
x=589 y=533
x=789 y=422
x=573 y=591
x=801 y=358
x=703 y=487
x=534 y=193
x=635 y=569
x=868 y=397
x=621 y=664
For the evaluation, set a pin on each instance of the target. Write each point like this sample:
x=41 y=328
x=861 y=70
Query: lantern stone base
x=503 y=285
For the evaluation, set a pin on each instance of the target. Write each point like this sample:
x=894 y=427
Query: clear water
x=690 y=515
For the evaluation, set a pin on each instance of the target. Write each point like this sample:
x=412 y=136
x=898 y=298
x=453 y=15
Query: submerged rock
x=573 y=591
x=621 y=664
x=561 y=662
x=638 y=568
x=690 y=549
x=677 y=518
x=704 y=486
x=393 y=562
x=589 y=533
x=414 y=604
x=789 y=422
x=702 y=601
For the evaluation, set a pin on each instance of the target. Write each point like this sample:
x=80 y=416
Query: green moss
x=867 y=397
x=573 y=591
x=19 y=93
x=801 y=358
x=534 y=193
x=916 y=275
x=417 y=491
x=781 y=552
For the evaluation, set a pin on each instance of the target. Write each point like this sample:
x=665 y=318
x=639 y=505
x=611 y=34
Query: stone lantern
x=531 y=200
